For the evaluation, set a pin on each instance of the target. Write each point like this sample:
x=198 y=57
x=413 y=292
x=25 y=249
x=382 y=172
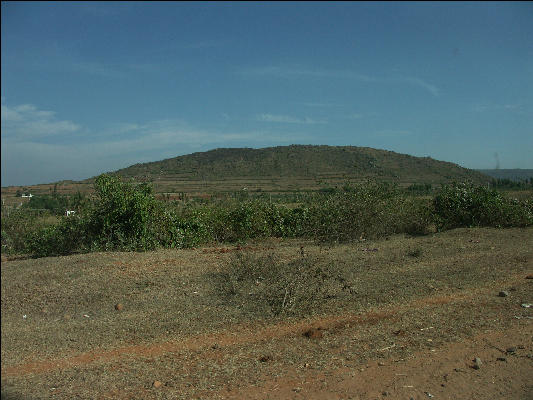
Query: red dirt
x=443 y=373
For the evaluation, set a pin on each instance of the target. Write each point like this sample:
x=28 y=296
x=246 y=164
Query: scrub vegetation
x=127 y=216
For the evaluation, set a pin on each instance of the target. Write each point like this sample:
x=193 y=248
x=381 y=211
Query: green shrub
x=17 y=224
x=369 y=210
x=239 y=221
x=67 y=237
x=56 y=204
x=466 y=205
x=122 y=217
x=127 y=216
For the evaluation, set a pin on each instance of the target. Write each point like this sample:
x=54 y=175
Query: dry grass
x=175 y=326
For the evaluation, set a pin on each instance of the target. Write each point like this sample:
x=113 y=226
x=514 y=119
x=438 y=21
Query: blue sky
x=93 y=87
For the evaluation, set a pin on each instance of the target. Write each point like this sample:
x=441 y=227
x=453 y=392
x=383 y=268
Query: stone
x=477 y=363
x=157 y=384
x=510 y=350
x=119 y=307
x=503 y=293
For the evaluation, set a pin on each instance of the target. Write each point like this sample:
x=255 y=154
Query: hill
x=516 y=174
x=297 y=167
x=276 y=169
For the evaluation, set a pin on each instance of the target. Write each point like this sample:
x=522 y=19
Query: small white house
x=68 y=213
x=28 y=195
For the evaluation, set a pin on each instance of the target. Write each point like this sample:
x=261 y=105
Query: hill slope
x=303 y=161
x=512 y=174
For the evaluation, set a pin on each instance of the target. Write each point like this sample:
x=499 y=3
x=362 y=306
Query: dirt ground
x=421 y=311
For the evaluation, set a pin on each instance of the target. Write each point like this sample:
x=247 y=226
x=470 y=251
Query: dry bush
x=265 y=285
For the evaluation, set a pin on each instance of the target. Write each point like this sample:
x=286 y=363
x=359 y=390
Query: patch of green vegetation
x=363 y=211
x=127 y=216
x=467 y=205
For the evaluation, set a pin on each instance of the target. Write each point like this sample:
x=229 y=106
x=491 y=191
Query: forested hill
x=304 y=161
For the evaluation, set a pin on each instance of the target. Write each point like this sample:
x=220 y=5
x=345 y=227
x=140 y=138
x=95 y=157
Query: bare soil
x=419 y=312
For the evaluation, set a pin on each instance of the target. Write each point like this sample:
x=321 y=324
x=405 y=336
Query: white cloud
x=26 y=121
x=28 y=160
x=287 y=119
x=10 y=115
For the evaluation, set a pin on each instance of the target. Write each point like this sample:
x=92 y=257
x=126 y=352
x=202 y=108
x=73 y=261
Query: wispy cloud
x=112 y=70
x=434 y=90
x=392 y=133
x=287 y=119
x=301 y=72
x=360 y=115
x=498 y=107
x=287 y=72
x=98 y=69
x=26 y=121
x=203 y=44
x=320 y=105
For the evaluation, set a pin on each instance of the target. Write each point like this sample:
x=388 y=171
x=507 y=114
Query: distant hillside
x=277 y=169
x=512 y=174
x=304 y=162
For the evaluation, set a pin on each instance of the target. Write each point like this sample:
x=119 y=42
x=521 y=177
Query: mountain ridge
x=304 y=161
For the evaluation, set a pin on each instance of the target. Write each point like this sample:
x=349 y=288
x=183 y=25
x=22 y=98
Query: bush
x=467 y=205
x=127 y=216
x=239 y=221
x=67 y=237
x=17 y=225
x=56 y=204
x=124 y=216
x=369 y=210
x=267 y=286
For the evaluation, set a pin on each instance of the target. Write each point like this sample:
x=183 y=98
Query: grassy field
x=181 y=334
